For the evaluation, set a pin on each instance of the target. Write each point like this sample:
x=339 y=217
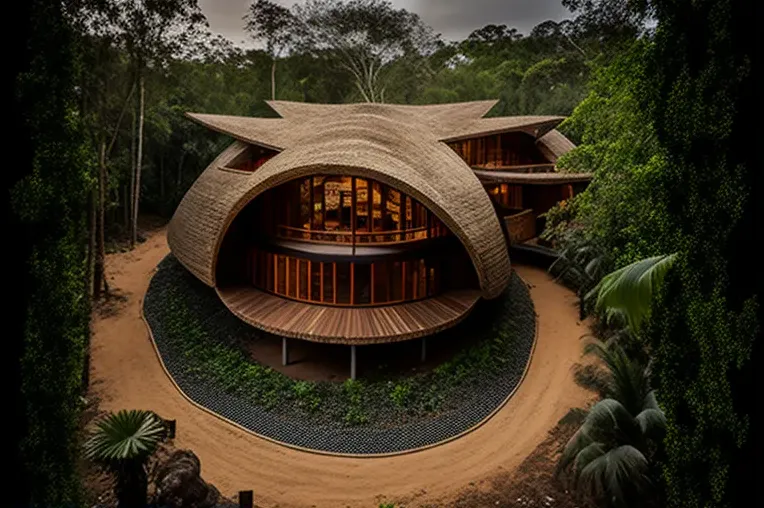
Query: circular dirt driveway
x=126 y=373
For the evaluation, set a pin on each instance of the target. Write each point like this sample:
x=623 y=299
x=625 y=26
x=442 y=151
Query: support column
x=424 y=349
x=284 y=352
x=352 y=363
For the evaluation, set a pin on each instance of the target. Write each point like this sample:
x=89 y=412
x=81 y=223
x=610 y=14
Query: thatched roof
x=401 y=146
x=554 y=145
x=552 y=178
x=444 y=122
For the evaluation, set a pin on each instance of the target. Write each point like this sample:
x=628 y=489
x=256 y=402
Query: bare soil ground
x=126 y=374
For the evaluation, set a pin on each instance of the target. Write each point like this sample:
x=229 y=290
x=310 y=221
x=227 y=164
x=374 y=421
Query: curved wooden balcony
x=358 y=237
x=348 y=325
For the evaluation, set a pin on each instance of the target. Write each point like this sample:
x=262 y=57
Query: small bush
x=400 y=394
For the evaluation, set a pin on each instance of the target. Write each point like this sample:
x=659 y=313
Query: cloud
x=454 y=19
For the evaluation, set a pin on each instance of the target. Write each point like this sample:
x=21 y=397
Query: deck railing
x=359 y=238
x=517 y=168
x=521 y=227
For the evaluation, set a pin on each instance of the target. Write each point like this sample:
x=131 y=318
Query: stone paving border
x=363 y=441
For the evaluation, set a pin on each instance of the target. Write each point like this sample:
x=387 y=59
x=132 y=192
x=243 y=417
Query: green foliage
x=494 y=330
x=122 y=444
x=124 y=436
x=622 y=210
x=610 y=455
x=400 y=394
x=630 y=289
x=50 y=203
x=706 y=332
x=665 y=129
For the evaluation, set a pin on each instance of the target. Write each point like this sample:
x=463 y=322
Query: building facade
x=367 y=223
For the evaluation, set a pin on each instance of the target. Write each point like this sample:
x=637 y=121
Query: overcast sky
x=453 y=19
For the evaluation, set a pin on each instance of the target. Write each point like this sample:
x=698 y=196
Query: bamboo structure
x=432 y=168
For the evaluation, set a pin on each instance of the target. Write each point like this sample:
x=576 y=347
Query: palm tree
x=609 y=456
x=630 y=289
x=122 y=443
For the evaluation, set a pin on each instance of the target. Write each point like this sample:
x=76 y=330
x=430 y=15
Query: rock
x=179 y=484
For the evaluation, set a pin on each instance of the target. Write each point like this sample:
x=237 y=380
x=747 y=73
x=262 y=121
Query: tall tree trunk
x=126 y=207
x=161 y=177
x=138 y=162
x=99 y=272
x=180 y=173
x=273 y=79
x=91 y=241
x=130 y=203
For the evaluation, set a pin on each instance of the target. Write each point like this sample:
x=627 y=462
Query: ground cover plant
x=212 y=342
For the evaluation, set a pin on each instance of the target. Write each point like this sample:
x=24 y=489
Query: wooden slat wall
x=509 y=149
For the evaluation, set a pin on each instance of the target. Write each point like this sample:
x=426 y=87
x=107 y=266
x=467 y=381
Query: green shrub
x=400 y=394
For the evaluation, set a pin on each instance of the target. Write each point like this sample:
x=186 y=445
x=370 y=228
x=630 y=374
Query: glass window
x=396 y=281
x=329 y=208
x=269 y=261
x=315 y=281
x=280 y=283
x=362 y=284
x=343 y=283
x=318 y=202
x=381 y=283
x=302 y=279
x=433 y=281
x=362 y=204
x=392 y=220
x=376 y=206
x=328 y=282
x=305 y=211
x=292 y=277
x=422 y=279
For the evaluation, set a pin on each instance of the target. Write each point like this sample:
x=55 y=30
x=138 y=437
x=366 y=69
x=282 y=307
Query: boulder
x=179 y=483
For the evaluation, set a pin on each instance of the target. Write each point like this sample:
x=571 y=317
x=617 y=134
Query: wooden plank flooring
x=347 y=325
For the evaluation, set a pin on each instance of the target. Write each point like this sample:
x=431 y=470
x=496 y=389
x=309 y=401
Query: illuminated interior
x=343 y=241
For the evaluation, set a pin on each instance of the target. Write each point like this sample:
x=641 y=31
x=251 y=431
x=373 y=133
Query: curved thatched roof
x=552 y=178
x=554 y=145
x=401 y=146
x=386 y=143
x=443 y=122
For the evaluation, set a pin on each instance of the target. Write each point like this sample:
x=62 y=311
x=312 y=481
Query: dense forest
x=661 y=98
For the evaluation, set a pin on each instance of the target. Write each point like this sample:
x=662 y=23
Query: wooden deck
x=346 y=325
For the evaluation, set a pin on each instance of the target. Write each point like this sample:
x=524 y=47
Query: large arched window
x=346 y=209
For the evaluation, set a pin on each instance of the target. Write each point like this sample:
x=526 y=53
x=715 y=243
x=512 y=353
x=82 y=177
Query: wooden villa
x=367 y=223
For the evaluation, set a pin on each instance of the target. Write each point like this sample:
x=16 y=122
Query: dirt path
x=126 y=374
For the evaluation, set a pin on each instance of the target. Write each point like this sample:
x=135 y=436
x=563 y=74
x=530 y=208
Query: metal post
x=352 y=363
x=352 y=211
x=246 y=499
x=170 y=425
x=284 y=352
x=424 y=349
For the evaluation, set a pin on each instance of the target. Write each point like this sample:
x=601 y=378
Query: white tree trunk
x=99 y=275
x=273 y=80
x=138 y=162
x=129 y=203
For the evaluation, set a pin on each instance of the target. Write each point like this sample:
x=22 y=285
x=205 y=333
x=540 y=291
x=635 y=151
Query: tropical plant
x=630 y=289
x=122 y=444
x=610 y=455
x=581 y=264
